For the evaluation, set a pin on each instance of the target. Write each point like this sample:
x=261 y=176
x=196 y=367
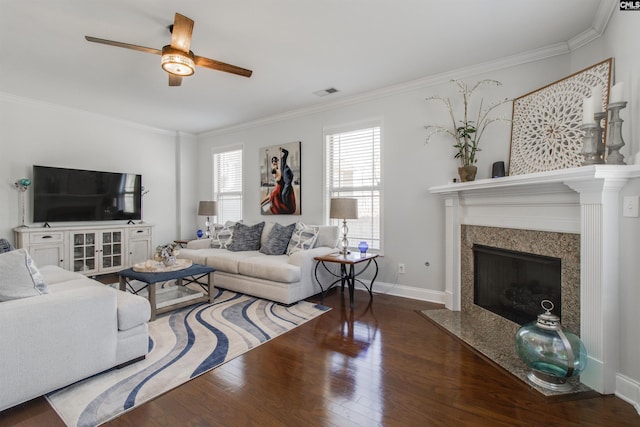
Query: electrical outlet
x=630 y=206
x=401 y=268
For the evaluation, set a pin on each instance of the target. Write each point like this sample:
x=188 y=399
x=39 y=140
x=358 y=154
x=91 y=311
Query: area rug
x=183 y=345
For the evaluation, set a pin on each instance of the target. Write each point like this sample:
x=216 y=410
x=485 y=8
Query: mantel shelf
x=562 y=176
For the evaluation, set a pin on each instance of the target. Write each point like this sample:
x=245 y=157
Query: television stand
x=87 y=249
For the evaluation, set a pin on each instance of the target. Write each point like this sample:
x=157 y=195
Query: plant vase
x=467 y=173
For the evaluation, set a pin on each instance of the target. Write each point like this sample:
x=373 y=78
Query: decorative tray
x=151 y=266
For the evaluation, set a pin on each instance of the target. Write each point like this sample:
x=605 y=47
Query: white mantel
x=584 y=200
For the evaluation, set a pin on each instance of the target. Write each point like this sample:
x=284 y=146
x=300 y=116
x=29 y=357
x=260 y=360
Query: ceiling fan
x=177 y=59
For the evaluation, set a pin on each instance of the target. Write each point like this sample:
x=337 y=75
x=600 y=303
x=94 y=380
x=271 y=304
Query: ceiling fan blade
x=174 y=80
x=181 y=33
x=221 y=66
x=125 y=45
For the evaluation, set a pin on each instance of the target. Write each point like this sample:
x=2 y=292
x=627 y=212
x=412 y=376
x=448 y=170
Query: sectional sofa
x=59 y=327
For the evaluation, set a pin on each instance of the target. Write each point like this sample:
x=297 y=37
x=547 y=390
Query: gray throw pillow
x=19 y=278
x=278 y=239
x=246 y=237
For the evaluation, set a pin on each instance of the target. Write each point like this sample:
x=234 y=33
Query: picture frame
x=545 y=128
x=280 y=179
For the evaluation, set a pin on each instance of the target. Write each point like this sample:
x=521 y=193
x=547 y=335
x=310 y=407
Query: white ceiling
x=294 y=47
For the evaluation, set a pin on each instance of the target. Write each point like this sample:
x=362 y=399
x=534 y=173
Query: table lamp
x=208 y=208
x=344 y=209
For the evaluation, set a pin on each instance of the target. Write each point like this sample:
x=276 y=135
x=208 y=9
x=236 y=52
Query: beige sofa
x=282 y=278
x=65 y=330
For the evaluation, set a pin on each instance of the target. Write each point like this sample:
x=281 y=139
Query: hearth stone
x=498 y=345
x=493 y=335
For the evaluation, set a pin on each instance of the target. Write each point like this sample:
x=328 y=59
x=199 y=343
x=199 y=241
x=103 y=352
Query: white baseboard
x=628 y=390
x=406 y=292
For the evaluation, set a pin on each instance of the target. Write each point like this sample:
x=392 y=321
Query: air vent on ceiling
x=326 y=92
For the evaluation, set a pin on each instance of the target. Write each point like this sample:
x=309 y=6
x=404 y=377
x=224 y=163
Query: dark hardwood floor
x=380 y=364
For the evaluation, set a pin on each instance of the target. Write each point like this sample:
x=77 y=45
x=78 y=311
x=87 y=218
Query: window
x=353 y=170
x=227 y=184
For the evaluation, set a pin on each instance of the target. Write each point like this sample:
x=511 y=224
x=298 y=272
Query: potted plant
x=466 y=133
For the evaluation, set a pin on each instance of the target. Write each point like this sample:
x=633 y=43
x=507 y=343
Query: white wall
x=413 y=219
x=32 y=132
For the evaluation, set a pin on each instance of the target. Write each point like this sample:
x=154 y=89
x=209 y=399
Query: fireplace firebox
x=512 y=284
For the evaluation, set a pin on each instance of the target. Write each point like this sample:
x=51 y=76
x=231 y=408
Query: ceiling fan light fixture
x=177 y=62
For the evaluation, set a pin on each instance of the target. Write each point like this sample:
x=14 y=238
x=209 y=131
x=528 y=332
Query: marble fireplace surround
x=583 y=201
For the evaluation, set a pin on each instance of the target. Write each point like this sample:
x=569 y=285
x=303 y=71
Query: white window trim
x=347 y=127
x=223 y=149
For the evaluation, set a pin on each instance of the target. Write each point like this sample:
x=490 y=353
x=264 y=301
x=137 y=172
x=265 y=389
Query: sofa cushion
x=303 y=237
x=133 y=310
x=20 y=278
x=246 y=237
x=274 y=267
x=278 y=239
x=220 y=259
x=53 y=274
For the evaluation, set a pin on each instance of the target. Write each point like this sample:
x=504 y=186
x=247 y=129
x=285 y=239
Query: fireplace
x=513 y=284
x=583 y=202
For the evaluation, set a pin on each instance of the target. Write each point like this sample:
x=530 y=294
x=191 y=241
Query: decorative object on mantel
x=615 y=133
x=552 y=354
x=22 y=185
x=497 y=170
x=546 y=131
x=466 y=132
x=166 y=254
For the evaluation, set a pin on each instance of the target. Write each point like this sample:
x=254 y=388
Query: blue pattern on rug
x=182 y=345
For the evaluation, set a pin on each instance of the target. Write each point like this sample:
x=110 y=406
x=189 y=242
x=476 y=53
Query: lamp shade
x=208 y=208
x=343 y=208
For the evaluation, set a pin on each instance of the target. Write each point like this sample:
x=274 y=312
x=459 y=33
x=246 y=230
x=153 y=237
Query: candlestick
x=587 y=111
x=614 y=137
x=589 y=146
x=616 y=93
x=600 y=149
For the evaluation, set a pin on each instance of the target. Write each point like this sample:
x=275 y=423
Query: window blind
x=353 y=170
x=227 y=184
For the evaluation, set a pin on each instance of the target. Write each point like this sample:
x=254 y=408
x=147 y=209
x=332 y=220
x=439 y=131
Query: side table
x=348 y=272
x=192 y=274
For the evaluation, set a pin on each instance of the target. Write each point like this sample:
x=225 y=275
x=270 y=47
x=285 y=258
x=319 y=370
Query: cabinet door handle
x=140 y=231
x=47 y=237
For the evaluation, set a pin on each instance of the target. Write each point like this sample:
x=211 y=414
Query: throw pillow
x=20 y=278
x=222 y=235
x=303 y=238
x=246 y=237
x=5 y=246
x=278 y=240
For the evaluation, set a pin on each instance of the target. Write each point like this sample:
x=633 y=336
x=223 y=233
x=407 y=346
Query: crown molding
x=600 y=22
x=425 y=82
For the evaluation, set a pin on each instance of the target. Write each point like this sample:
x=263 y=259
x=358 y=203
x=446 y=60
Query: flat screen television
x=82 y=195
